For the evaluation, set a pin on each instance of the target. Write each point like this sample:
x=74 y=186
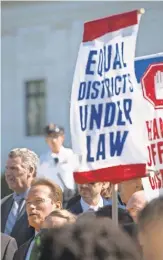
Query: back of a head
x=63 y=213
x=150 y=230
x=138 y=200
x=152 y=213
x=86 y=240
x=123 y=215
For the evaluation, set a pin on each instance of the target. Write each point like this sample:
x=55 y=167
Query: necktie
x=35 y=253
x=56 y=160
x=14 y=212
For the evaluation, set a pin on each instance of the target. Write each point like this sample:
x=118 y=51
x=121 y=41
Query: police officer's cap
x=54 y=130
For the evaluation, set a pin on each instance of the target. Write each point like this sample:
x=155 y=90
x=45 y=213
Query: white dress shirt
x=61 y=172
x=30 y=247
x=85 y=206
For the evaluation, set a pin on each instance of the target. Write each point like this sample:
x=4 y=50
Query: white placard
x=107 y=120
x=153 y=186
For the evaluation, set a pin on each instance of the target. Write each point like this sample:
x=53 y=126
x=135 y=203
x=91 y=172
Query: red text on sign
x=155 y=153
x=155 y=129
x=156 y=181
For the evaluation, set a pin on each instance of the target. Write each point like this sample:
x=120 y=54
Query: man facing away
x=58 y=218
x=90 y=238
x=150 y=230
x=136 y=203
x=43 y=197
x=21 y=167
x=59 y=163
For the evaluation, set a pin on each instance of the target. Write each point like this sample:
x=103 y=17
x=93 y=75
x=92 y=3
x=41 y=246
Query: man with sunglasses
x=59 y=162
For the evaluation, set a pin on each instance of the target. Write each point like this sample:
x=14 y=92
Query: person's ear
x=58 y=205
x=31 y=172
x=62 y=138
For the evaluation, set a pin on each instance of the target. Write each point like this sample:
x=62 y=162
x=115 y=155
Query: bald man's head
x=136 y=203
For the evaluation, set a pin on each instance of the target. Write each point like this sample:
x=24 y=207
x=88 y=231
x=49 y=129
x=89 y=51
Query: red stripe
x=97 y=28
x=113 y=174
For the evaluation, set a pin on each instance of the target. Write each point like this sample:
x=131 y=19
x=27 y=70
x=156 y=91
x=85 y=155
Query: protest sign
x=153 y=185
x=106 y=119
x=149 y=71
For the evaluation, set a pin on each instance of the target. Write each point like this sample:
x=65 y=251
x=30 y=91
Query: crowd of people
x=49 y=217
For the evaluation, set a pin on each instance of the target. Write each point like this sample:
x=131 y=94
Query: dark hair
x=131 y=230
x=123 y=216
x=56 y=192
x=53 y=130
x=86 y=240
x=153 y=212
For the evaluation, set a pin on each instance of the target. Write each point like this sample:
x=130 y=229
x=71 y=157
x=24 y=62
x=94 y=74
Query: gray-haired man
x=21 y=168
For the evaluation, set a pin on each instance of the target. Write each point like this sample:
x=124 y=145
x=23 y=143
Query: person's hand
x=158 y=82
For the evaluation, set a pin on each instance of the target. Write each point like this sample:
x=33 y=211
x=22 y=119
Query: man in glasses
x=91 y=199
x=59 y=162
x=43 y=197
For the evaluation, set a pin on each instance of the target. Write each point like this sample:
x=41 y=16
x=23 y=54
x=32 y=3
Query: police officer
x=59 y=163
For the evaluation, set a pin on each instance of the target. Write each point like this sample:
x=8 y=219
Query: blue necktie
x=14 y=212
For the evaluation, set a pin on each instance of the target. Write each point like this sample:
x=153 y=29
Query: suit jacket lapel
x=22 y=251
x=20 y=221
x=6 y=207
x=25 y=251
x=78 y=208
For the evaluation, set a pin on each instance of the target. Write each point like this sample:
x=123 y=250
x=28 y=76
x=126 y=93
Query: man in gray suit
x=8 y=247
x=20 y=171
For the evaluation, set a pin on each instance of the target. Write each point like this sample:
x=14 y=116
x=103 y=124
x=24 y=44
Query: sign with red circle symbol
x=152 y=84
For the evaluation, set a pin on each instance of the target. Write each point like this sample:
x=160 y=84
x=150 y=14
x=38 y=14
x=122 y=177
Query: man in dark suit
x=21 y=253
x=20 y=171
x=8 y=247
x=90 y=199
x=43 y=198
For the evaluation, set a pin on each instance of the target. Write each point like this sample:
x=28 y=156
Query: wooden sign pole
x=115 y=203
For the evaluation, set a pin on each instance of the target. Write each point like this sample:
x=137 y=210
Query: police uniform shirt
x=59 y=167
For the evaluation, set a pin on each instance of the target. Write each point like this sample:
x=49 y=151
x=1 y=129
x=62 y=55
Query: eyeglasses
x=37 y=202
